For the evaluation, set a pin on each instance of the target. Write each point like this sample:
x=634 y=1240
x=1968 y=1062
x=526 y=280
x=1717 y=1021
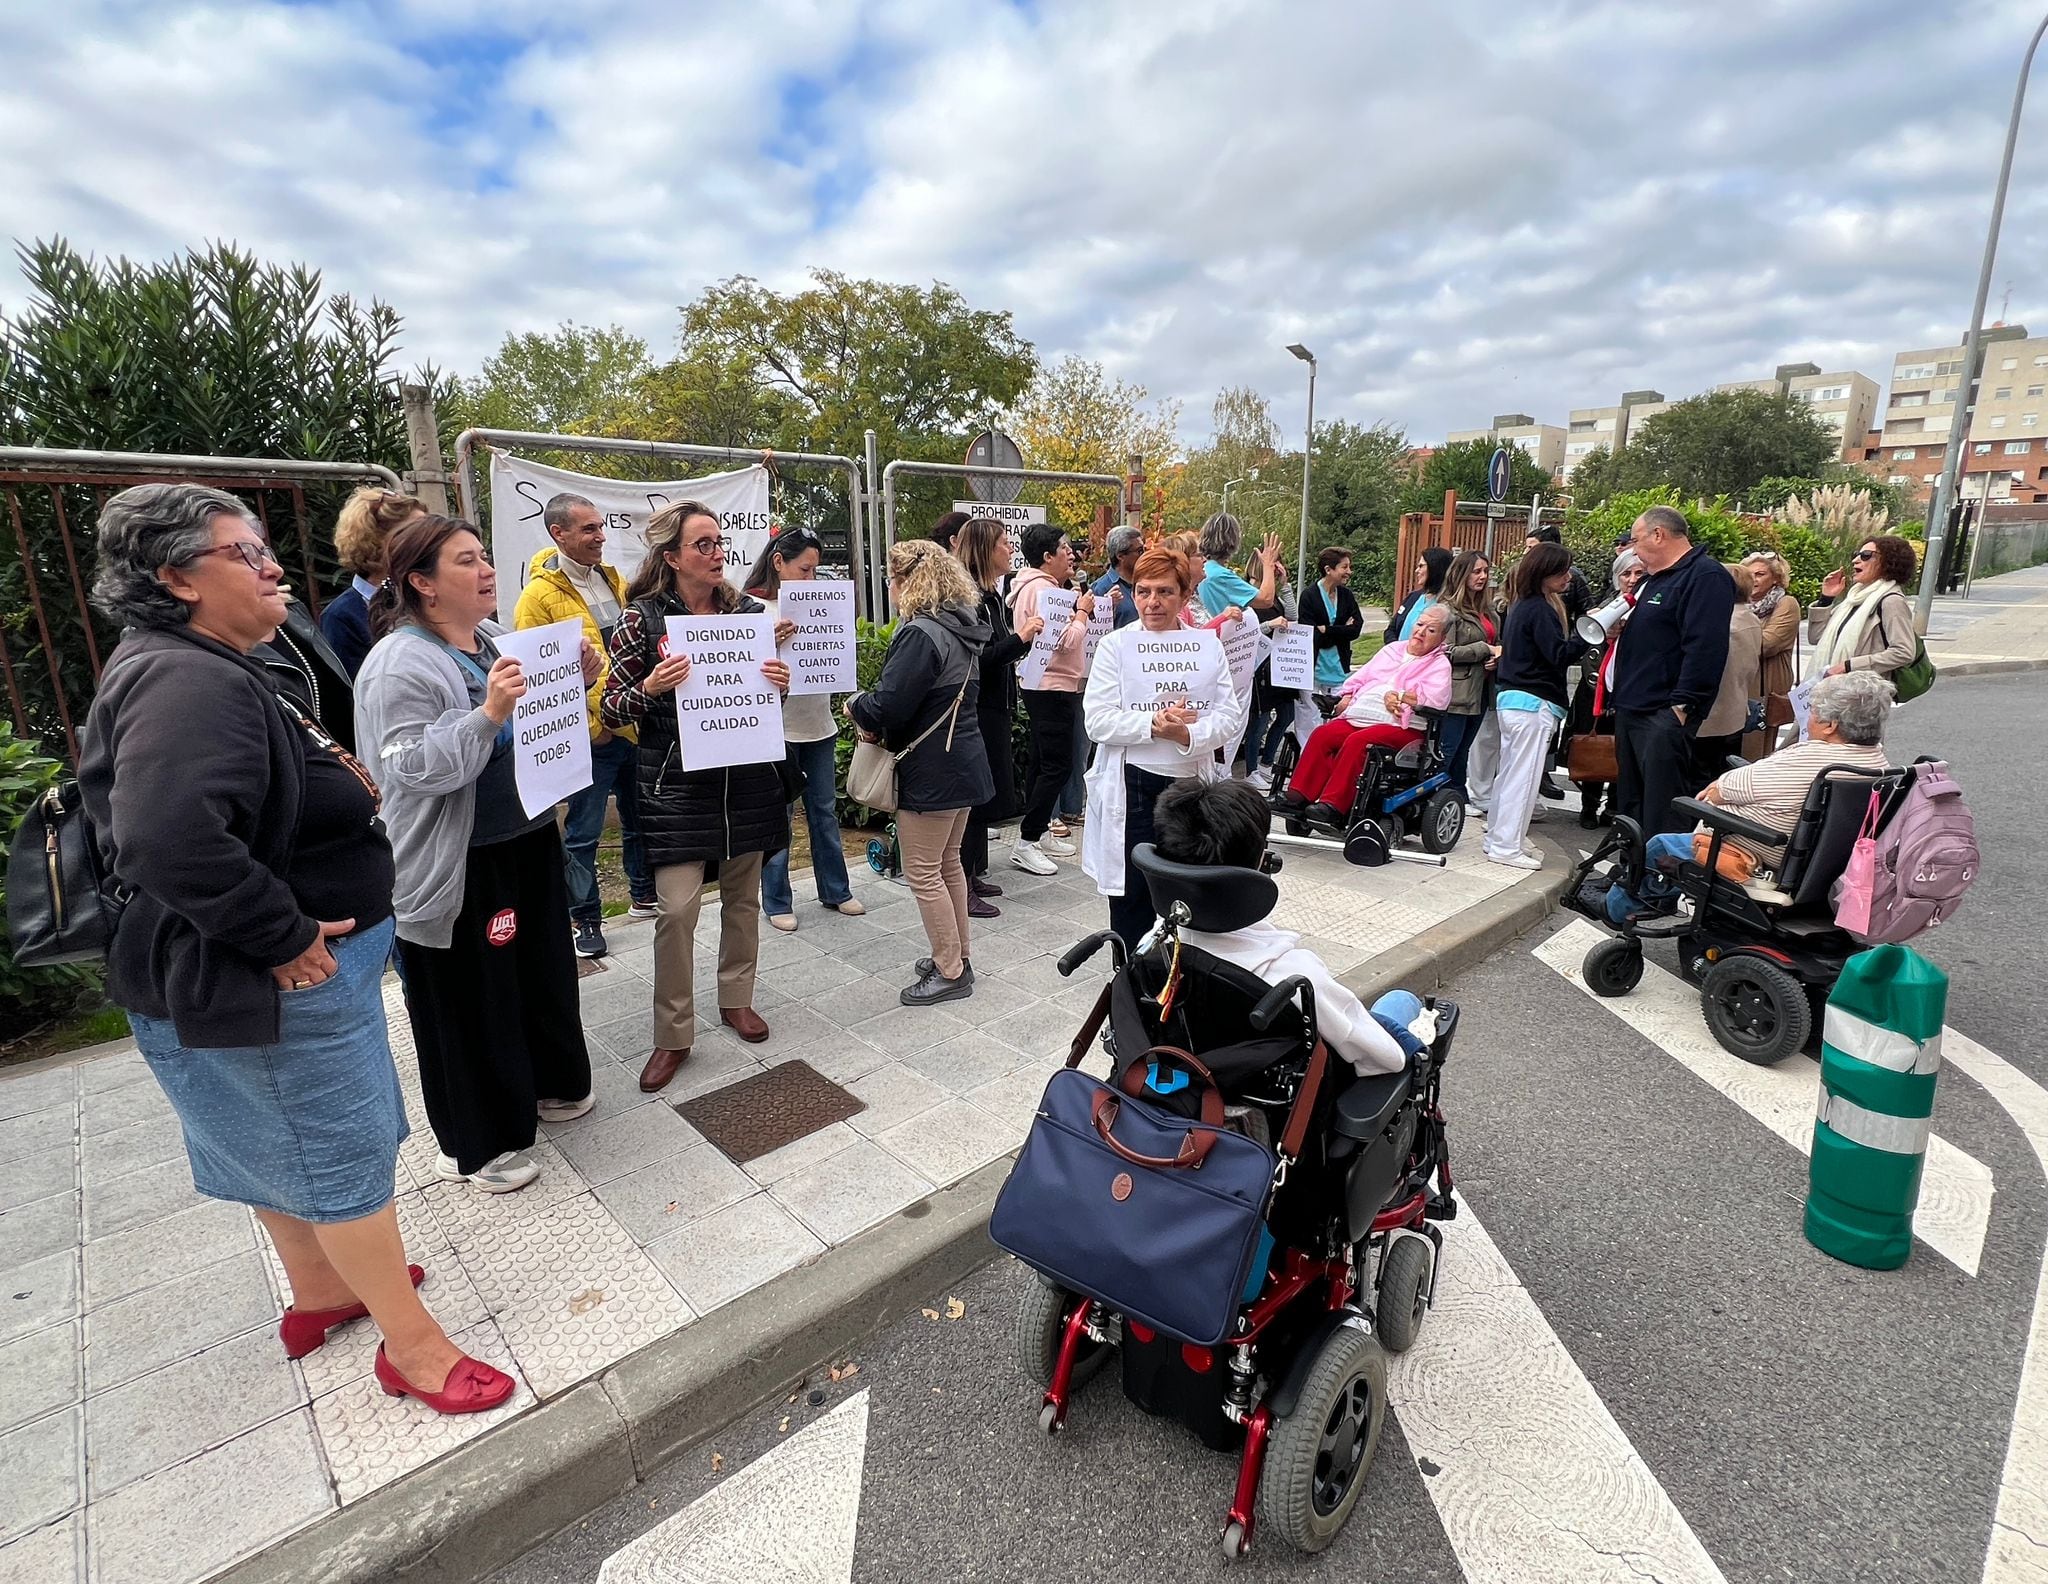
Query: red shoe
x=471 y=1387
x=303 y=1330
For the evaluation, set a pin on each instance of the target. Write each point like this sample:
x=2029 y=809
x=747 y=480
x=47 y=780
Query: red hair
x=1160 y=562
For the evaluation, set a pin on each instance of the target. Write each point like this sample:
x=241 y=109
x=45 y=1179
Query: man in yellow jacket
x=573 y=580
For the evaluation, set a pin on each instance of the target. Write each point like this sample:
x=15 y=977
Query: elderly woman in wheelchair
x=1746 y=895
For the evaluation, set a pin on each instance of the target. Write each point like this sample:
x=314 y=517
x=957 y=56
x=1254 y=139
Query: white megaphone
x=1595 y=627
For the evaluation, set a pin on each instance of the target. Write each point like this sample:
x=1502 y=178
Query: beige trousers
x=681 y=889
x=931 y=862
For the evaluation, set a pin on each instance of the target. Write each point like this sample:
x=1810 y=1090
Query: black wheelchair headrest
x=1219 y=898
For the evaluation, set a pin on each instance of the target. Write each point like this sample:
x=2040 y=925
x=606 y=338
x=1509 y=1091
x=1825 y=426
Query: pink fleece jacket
x=1063 y=673
x=1394 y=669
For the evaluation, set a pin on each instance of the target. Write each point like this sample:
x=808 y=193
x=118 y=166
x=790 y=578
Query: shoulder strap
x=1299 y=1114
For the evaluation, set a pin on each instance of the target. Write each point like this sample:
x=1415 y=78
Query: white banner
x=1014 y=518
x=727 y=713
x=1183 y=667
x=1057 y=607
x=1100 y=620
x=520 y=489
x=821 y=651
x=1294 y=657
x=550 y=726
x=1241 y=649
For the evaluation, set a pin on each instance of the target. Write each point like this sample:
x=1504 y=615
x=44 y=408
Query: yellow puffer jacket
x=550 y=597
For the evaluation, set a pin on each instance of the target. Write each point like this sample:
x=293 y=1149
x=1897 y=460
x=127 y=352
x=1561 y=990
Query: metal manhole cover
x=757 y=1115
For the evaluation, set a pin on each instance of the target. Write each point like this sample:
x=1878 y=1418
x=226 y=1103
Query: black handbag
x=60 y=908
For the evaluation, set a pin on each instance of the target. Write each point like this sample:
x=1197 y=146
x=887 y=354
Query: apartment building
x=1844 y=400
x=2007 y=451
x=1589 y=429
x=1542 y=443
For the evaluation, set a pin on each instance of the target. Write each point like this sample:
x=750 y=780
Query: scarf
x=1844 y=635
x=1761 y=608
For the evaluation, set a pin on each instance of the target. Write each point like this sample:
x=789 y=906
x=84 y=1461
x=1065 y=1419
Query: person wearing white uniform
x=1142 y=751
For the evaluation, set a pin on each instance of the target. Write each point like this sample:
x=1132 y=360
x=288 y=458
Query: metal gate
x=52 y=499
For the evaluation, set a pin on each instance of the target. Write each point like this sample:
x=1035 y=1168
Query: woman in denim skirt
x=255 y=883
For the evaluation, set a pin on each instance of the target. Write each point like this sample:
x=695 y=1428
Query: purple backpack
x=1926 y=858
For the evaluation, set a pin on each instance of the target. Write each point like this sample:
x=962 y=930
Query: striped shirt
x=1773 y=790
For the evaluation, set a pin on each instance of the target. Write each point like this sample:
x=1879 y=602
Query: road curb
x=486 y=1503
x=1963 y=668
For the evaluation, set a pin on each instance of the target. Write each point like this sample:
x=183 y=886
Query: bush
x=30 y=996
x=1590 y=535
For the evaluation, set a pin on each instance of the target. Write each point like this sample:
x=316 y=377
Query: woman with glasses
x=695 y=825
x=812 y=738
x=257 y=914
x=1872 y=629
x=483 y=895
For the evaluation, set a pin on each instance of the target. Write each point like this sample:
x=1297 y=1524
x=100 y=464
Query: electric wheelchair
x=1403 y=795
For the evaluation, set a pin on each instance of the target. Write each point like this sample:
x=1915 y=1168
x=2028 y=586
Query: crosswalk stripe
x=1532 y=1477
x=1955 y=1188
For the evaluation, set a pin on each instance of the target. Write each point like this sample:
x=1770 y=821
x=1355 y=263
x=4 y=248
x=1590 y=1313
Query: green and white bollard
x=1880 y=1054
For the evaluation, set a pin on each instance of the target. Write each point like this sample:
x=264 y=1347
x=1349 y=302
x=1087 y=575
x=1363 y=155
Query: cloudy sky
x=1463 y=208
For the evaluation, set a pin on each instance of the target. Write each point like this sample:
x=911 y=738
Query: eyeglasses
x=1864 y=555
x=255 y=553
x=707 y=547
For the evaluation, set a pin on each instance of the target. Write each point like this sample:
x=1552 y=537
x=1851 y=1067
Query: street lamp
x=1252 y=474
x=1307 y=445
x=1950 y=486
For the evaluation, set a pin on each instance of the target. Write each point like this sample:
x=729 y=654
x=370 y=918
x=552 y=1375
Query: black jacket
x=996 y=706
x=1675 y=646
x=1334 y=628
x=304 y=668
x=931 y=659
x=698 y=816
x=192 y=774
x=1535 y=651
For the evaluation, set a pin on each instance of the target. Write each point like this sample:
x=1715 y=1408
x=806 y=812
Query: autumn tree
x=1078 y=418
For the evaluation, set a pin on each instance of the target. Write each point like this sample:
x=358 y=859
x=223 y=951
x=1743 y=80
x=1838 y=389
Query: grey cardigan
x=418 y=734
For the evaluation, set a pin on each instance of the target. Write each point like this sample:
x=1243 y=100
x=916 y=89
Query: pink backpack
x=1912 y=874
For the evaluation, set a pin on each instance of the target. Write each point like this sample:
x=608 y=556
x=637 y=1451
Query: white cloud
x=1464 y=210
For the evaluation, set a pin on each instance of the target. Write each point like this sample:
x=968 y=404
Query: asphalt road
x=1802 y=1419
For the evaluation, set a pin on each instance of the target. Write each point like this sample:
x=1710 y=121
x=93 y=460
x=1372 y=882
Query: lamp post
x=1950 y=486
x=1307 y=446
x=1252 y=475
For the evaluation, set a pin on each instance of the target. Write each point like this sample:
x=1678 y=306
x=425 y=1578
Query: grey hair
x=1622 y=562
x=1221 y=536
x=1121 y=542
x=556 y=513
x=1669 y=518
x=147 y=527
x=1856 y=703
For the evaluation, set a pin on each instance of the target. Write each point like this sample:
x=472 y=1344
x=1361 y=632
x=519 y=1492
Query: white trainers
x=1027 y=856
x=508 y=1173
x=566 y=1110
x=1261 y=778
x=1514 y=860
x=644 y=910
x=1058 y=846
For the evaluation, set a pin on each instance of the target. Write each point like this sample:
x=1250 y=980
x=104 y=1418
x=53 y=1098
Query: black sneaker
x=1550 y=789
x=590 y=941
x=935 y=987
x=926 y=968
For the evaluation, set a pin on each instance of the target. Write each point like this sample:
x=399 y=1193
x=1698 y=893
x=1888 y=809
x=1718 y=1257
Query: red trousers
x=1334 y=756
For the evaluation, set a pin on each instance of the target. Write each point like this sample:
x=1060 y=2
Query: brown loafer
x=745 y=1022
x=660 y=1068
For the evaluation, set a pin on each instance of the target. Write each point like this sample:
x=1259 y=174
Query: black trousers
x=495 y=1014
x=1132 y=914
x=1052 y=756
x=1654 y=754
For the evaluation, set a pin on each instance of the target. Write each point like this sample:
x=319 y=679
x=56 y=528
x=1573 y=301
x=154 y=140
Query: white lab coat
x=1114 y=730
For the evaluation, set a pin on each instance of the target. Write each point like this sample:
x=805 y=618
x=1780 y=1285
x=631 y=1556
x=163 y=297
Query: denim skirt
x=308 y=1127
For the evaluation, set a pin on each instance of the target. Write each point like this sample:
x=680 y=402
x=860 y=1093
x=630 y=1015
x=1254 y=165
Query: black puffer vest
x=701 y=816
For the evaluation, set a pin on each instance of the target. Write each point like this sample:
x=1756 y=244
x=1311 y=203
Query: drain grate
x=761 y=1113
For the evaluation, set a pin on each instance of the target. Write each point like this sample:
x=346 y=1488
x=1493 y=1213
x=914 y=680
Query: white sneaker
x=1261 y=778
x=783 y=921
x=566 y=1110
x=1532 y=849
x=1538 y=814
x=1027 y=856
x=644 y=910
x=508 y=1173
x=1058 y=846
x=1514 y=860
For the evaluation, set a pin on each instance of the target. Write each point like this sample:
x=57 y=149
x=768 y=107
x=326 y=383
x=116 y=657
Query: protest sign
x=1241 y=649
x=1294 y=658
x=727 y=713
x=1057 y=607
x=520 y=490
x=821 y=651
x=1182 y=667
x=1100 y=621
x=1014 y=518
x=550 y=723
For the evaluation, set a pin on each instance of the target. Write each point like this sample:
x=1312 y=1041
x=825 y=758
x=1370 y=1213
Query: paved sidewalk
x=150 y=1426
x=2002 y=626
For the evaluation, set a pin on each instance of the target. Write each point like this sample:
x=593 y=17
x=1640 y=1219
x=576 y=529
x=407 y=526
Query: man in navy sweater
x=1667 y=668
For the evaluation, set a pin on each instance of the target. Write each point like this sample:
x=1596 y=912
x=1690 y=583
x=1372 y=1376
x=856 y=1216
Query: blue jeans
x=612 y=769
x=813 y=763
x=1394 y=1011
x=1658 y=891
x=1457 y=735
x=1263 y=734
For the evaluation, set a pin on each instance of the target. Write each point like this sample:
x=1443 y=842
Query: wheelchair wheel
x=1755 y=1009
x=878 y=856
x=1403 y=1293
x=1443 y=821
x=1284 y=761
x=1614 y=967
x=1319 y=1456
x=1041 y=1317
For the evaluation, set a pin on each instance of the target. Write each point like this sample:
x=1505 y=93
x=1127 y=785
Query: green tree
x=1725 y=443
x=1078 y=418
x=1461 y=466
x=1354 y=497
x=574 y=379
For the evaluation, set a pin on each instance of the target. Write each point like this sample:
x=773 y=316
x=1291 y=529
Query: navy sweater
x=1534 y=651
x=1675 y=646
